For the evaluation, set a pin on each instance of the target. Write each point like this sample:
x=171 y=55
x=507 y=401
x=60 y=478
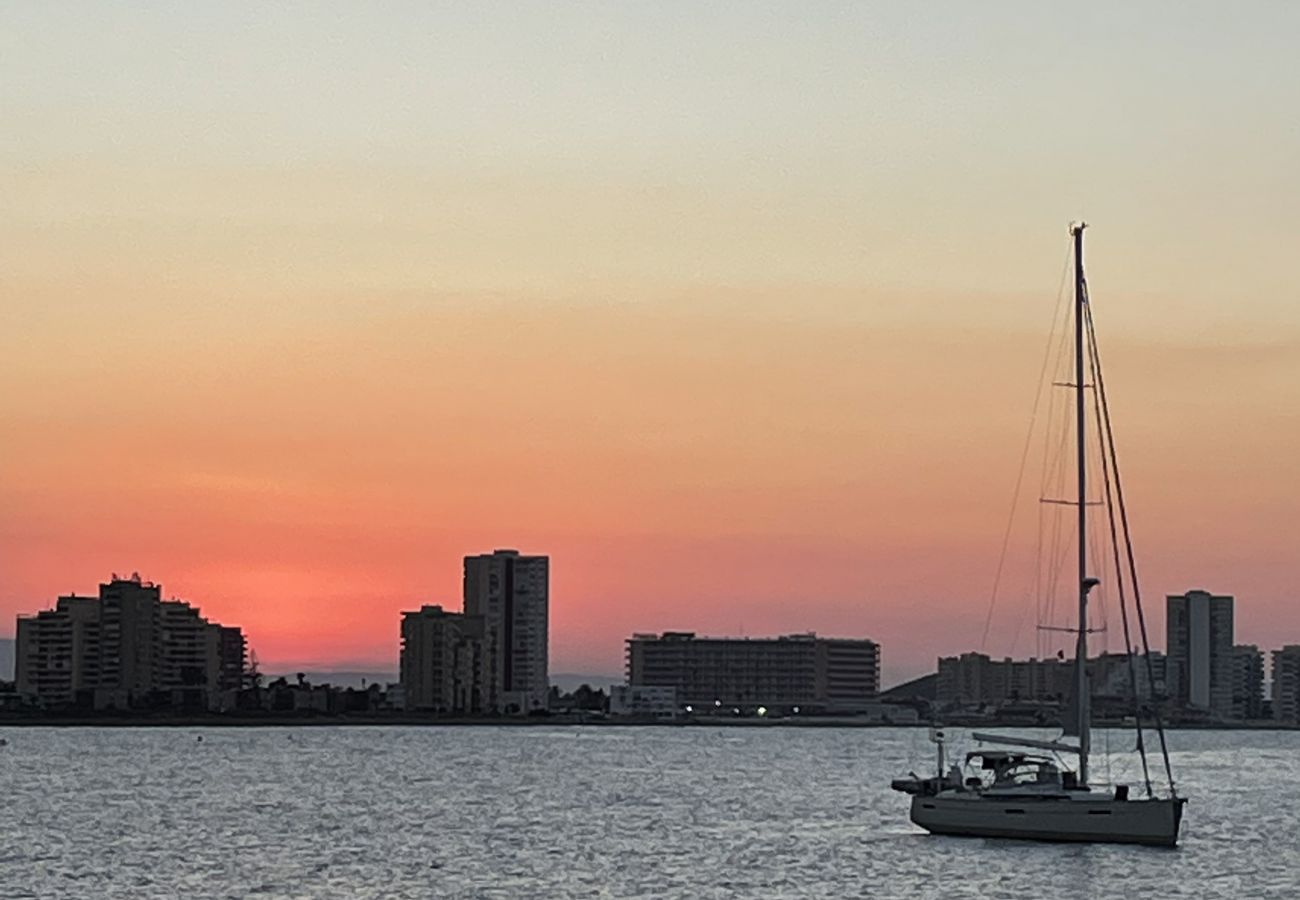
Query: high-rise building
x=232 y=653
x=1199 y=651
x=197 y=659
x=1286 y=684
x=125 y=648
x=57 y=652
x=1247 y=682
x=129 y=616
x=510 y=593
x=799 y=670
x=442 y=661
x=187 y=664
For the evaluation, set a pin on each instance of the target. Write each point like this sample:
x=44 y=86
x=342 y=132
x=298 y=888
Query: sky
x=736 y=311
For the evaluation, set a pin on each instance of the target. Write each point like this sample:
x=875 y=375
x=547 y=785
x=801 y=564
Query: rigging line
x=1058 y=562
x=1015 y=634
x=1052 y=483
x=1060 y=547
x=1132 y=562
x=1040 y=630
x=1055 y=464
x=1041 y=587
x=1097 y=617
x=1024 y=457
x=1038 y=584
x=1106 y=463
x=1061 y=458
x=1106 y=738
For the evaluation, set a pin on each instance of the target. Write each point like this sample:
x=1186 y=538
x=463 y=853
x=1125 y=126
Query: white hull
x=1088 y=818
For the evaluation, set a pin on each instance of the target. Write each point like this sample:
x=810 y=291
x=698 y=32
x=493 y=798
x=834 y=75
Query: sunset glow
x=739 y=362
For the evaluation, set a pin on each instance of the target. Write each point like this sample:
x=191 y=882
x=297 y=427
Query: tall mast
x=1082 y=699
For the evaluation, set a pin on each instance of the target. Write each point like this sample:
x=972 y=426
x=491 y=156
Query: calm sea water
x=586 y=812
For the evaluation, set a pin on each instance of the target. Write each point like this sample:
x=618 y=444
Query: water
x=586 y=812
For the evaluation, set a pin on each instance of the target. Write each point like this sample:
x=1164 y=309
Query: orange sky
x=745 y=347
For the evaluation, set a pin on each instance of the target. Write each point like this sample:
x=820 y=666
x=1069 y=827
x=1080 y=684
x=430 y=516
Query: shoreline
x=218 y=720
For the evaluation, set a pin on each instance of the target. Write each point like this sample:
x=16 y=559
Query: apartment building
x=803 y=670
x=126 y=648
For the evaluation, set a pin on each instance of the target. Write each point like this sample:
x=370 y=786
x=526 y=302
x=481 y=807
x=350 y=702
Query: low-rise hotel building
x=975 y=679
x=803 y=670
x=642 y=700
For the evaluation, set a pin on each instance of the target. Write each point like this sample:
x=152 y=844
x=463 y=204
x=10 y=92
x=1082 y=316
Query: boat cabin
x=1016 y=769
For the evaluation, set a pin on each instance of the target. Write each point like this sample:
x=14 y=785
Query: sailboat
x=1027 y=789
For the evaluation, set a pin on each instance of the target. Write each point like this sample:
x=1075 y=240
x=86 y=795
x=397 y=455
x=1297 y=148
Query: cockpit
x=1011 y=770
x=1038 y=772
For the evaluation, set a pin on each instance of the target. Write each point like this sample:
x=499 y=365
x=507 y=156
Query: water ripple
x=599 y=812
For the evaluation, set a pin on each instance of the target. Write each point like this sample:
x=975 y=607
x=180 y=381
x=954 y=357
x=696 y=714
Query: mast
x=1082 y=700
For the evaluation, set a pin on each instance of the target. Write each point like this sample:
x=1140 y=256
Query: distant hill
x=565 y=681
x=568 y=682
x=336 y=678
x=924 y=687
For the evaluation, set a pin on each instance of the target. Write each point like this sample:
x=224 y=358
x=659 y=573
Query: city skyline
x=504 y=586
x=736 y=316
x=129 y=651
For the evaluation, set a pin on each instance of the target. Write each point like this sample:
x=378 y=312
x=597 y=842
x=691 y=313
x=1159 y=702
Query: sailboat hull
x=1062 y=818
